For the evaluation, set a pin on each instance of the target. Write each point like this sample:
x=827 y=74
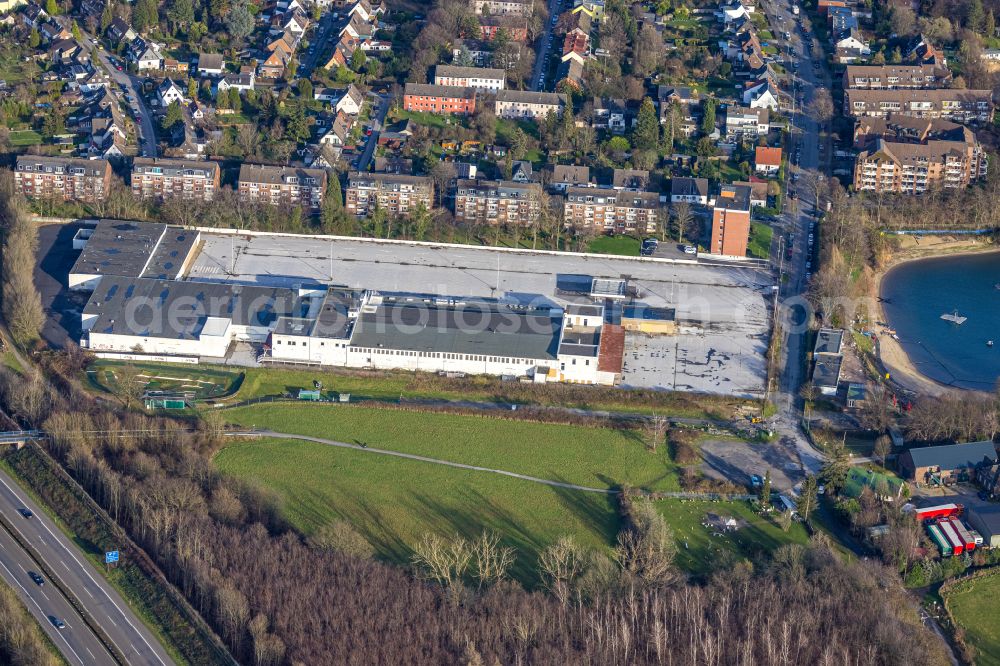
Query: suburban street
x=800 y=223
x=97 y=597
x=542 y=47
x=381 y=108
x=76 y=641
x=147 y=138
x=317 y=45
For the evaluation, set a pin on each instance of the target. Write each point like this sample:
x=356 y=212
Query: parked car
x=756 y=481
x=690 y=249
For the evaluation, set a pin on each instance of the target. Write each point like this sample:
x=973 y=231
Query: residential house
x=395 y=194
x=945 y=465
x=767 y=161
x=521 y=8
x=211 y=64
x=564 y=176
x=338 y=132
x=497 y=202
x=689 y=190
x=606 y=210
x=762 y=94
x=635 y=180
x=283 y=186
x=473 y=52
x=746 y=123
x=521 y=171
x=481 y=79
x=241 y=82
x=161 y=178
x=731 y=222
x=758 y=191
x=516 y=28
x=922 y=51
x=149 y=58
x=120 y=31
x=570 y=72
x=65 y=178
x=169 y=92
x=525 y=104
x=439 y=99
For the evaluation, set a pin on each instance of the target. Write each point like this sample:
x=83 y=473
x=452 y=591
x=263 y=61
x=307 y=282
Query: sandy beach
x=897 y=362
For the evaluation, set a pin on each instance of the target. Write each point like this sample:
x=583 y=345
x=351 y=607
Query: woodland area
x=21 y=641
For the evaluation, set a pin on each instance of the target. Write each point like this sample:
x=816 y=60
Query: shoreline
x=889 y=351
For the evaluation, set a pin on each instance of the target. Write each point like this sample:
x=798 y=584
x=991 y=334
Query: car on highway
x=56 y=622
x=36 y=577
x=25 y=511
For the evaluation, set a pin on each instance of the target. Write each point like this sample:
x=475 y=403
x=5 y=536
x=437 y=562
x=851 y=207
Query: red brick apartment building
x=731 y=222
x=65 y=178
x=439 y=99
x=283 y=186
x=159 y=178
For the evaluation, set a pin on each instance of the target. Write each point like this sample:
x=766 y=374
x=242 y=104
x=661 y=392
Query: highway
x=77 y=643
x=97 y=597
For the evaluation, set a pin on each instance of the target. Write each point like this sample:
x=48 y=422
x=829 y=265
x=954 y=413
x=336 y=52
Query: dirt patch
x=736 y=461
x=721 y=524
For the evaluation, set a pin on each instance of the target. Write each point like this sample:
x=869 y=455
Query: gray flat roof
x=332 y=320
x=476 y=327
x=953 y=456
x=178 y=310
x=829 y=341
x=171 y=252
x=119 y=247
x=826 y=372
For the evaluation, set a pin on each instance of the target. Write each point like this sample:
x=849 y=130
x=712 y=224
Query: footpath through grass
x=974 y=607
x=393 y=502
x=701 y=549
x=594 y=457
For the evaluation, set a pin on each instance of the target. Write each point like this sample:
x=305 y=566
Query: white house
x=149 y=59
x=169 y=92
x=241 y=82
x=733 y=10
x=350 y=102
x=211 y=64
x=763 y=94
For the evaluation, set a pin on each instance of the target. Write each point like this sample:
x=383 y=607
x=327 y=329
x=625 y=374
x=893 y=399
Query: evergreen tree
x=809 y=499
x=173 y=116
x=75 y=30
x=146 y=15
x=765 y=490
x=107 y=16
x=975 y=16
x=646 y=135
x=708 y=115
x=305 y=89
x=193 y=89
x=239 y=22
x=235 y=100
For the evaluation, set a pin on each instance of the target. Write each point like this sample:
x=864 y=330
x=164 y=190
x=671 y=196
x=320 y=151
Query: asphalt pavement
x=147 y=129
x=317 y=44
x=97 y=597
x=377 y=118
x=544 y=45
x=77 y=643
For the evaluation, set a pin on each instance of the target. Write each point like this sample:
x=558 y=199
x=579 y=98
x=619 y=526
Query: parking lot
x=736 y=460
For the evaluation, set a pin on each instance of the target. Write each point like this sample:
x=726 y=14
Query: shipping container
x=977 y=537
x=939 y=511
x=957 y=545
x=939 y=539
x=963 y=534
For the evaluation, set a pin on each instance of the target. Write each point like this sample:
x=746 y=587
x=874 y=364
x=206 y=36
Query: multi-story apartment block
x=913 y=168
x=525 y=104
x=731 y=222
x=950 y=103
x=894 y=77
x=503 y=7
x=64 y=178
x=497 y=202
x=439 y=99
x=283 y=186
x=156 y=177
x=603 y=210
x=397 y=194
x=743 y=122
x=482 y=79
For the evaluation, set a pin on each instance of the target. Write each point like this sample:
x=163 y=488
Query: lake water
x=919 y=292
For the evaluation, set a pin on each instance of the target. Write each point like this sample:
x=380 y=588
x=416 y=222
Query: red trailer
x=963 y=534
x=958 y=546
x=939 y=511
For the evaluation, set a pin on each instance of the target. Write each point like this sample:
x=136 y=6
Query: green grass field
x=593 y=457
x=760 y=240
x=21 y=138
x=974 y=607
x=698 y=548
x=394 y=502
x=205 y=382
x=624 y=245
